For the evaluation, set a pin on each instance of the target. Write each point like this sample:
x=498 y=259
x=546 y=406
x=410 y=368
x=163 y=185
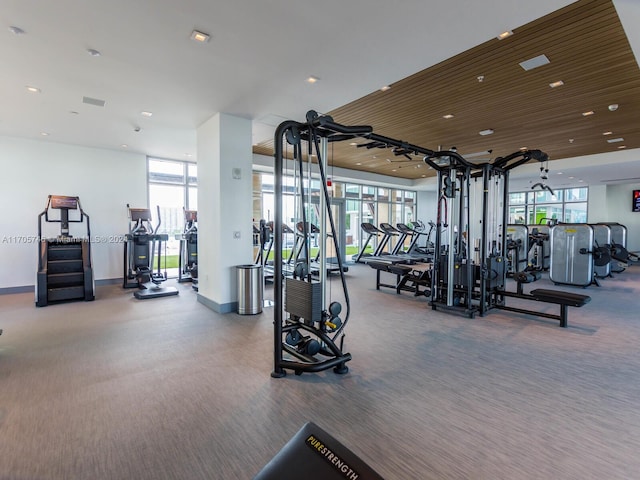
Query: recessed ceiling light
x=393 y=170
x=353 y=144
x=586 y=114
x=16 y=30
x=146 y=114
x=44 y=134
x=93 y=52
x=124 y=145
x=359 y=163
x=571 y=178
x=33 y=89
x=534 y=62
x=613 y=107
x=523 y=148
x=385 y=88
x=622 y=146
x=312 y=79
x=615 y=140
x=559 y=83
x=201 y=37
x=607 y=133
x=423 y=176
x=188 y=155
x=488 y=131
x=447 y=116
x=559 y=173
x=571 y=140
x=504 y=35
x=580 y=181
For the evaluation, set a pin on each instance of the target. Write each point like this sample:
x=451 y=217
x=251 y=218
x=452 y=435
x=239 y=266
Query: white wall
x=612 y=203
x=427 y=206
x=224 y=208
x=619 y=210
x=105 y=181
x=597 y=210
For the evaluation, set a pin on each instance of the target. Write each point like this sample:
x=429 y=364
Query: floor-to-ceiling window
x=173 y=188
x=362 y=203
x=567 y=205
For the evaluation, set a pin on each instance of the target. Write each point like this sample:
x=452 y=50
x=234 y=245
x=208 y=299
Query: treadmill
x=298 y=249
x=379 y=255
x=406 y=231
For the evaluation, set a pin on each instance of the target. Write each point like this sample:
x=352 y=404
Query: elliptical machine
x=139 y=254
x=188 y=258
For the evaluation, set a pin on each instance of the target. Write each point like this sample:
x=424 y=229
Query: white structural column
x=224 y=208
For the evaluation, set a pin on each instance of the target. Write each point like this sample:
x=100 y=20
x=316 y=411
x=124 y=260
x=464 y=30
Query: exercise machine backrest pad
x=313 y=454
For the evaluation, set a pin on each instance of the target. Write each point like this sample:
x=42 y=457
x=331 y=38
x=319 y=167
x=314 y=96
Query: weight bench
x=558 y=297
x=313 y=454
x=398 y=270
x=564 y=299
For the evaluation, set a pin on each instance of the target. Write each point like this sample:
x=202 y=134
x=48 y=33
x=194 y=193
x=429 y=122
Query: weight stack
x=303 y=299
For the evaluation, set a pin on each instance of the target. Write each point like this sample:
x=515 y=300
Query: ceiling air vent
x=534 y=62
x=610 y=180
x=93 y=101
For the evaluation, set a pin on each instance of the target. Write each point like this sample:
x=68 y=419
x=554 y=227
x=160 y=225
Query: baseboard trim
x=31 y=288
x=12 y=290
x=216 y=307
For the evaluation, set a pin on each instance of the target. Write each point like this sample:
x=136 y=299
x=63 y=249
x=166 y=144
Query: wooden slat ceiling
x=588 y=51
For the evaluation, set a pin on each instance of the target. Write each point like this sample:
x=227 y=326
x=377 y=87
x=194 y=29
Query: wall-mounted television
x=636 y=201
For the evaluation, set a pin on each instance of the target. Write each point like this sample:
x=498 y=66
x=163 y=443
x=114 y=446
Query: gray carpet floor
x=167 y=389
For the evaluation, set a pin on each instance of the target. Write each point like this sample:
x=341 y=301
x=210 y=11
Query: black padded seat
x=396 y=268
x=560 y=297
x=313 y=454
x=399 y=269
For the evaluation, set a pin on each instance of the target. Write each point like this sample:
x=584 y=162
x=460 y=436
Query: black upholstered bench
x=558 y=297
x=562 y=298
x=313 y=454
x=399 y=270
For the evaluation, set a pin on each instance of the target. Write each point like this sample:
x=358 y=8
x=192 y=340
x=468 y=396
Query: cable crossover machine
x=469 y=264
x=311 y=337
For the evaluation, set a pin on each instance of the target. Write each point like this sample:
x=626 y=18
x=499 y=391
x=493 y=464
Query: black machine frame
x=188 y=257
x=65 y=269
x=464 y=279
x=142 y=242
x=323 y=347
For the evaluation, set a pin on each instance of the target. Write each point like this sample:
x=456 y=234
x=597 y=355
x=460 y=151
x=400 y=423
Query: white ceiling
x=255 y=65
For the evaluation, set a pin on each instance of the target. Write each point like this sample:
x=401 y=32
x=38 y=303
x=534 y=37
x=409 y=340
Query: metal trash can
x=250 y=284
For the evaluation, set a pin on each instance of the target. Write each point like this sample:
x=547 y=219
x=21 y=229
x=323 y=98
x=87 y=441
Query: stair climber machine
x=64 y=262
x=142 y=244
x=188 y=257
